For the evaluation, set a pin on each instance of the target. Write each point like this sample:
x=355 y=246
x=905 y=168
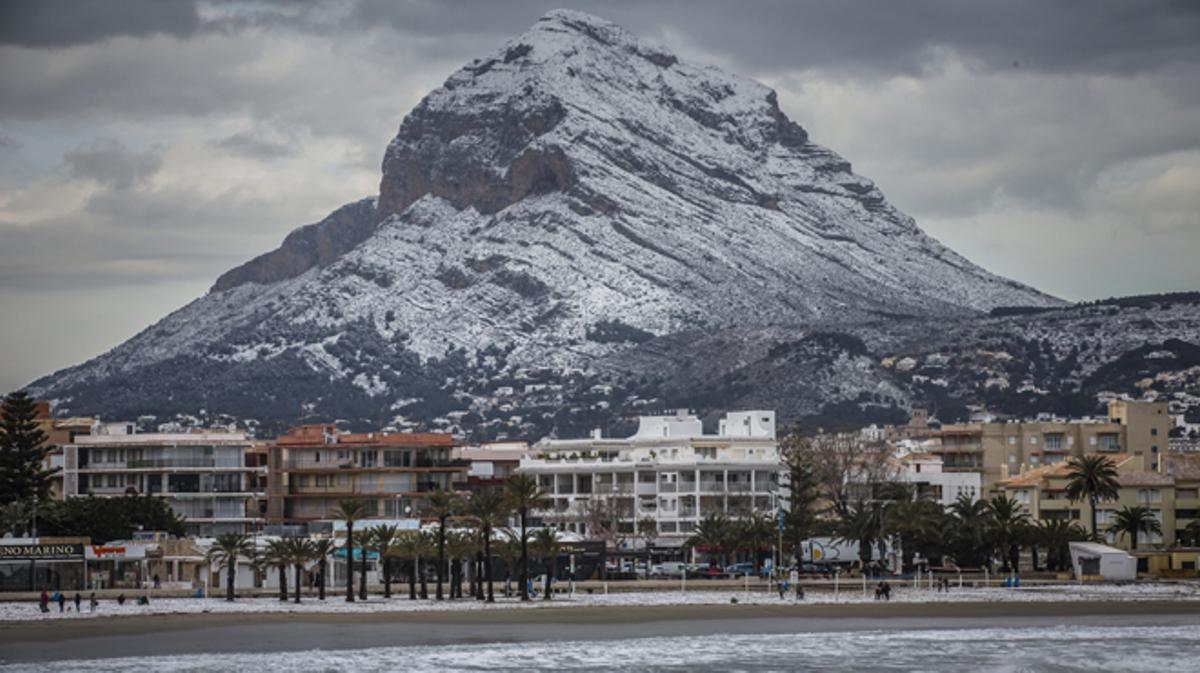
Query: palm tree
x=1191 y=533
x=914 y=522
x=509 y=550
x=460 y=546
x=1134 y=520
x=426 y=549
x=381 y=540
x=322 y=549
x=1006 y=518
x=407 y=547
x=279 y=556
x=524 y=495
x=756 y=532
x=1093 y=478
x=487 y=508
x=711 y=533
x=441 y=506
x=298 y=551
x=349 y=511
x=862 y=523
x=647 y=529
x=545 y=544
x=226 y=550
x=973 y=519
x=1055 y=535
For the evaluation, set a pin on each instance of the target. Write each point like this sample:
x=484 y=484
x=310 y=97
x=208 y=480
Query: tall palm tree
x=1092 y=478
x=487 y=508
x=523 y=495
x=442 y=505
x=381 y=540
x=407 y=547
x=1006 y=519
x=279 y=556
x=299 y=552
x=711 y=533
x=1134 y=520
x=322 y=549
x=545 y=544
x=349 y=511
x=460 y=546
x=226 y=550
x=426 y=550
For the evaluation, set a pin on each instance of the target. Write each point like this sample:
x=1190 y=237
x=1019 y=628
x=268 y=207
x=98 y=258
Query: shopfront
x=34 y=564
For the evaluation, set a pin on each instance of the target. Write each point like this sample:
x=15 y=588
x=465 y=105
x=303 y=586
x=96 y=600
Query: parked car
x=739 y=569
x=669 y=569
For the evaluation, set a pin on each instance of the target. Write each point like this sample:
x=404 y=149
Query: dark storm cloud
x=255 y=146
x=110 y=163
x=63 y=23
x=1125 y=36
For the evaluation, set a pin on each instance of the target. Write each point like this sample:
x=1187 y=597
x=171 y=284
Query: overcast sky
x=147 y=146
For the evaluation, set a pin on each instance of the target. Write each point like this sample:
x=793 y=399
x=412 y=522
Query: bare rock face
x=574 y=194
x=313 y=245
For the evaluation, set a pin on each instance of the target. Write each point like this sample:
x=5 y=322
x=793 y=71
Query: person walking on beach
x=60 y=599
x=44 y=601
x=92 y=602
x=794 y=580
x=77 y=602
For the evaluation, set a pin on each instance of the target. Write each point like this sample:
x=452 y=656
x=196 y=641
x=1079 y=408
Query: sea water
x=1057 y=648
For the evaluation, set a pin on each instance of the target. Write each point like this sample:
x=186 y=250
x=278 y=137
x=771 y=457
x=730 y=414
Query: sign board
x=586 y=547
x=119 y=552
x=41 y=552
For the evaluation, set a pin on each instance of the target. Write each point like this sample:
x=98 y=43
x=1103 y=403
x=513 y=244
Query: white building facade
x=924 y=472
x=213 y=479
x=669 y=471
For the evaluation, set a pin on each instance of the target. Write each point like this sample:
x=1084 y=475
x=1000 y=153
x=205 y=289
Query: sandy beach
x=128 y=636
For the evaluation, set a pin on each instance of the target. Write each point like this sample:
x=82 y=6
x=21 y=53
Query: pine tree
x=23 y=451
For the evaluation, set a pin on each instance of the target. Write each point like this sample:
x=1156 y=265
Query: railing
x=441 y=462
x=739 y=487
x=181 y=462
x=712 y=486
x=666 y=487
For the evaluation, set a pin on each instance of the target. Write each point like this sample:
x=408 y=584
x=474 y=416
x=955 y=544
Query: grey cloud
x=255 y=146
x=62 y=23
x=109 y=162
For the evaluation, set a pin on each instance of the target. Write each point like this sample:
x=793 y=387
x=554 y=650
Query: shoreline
x=152 y=635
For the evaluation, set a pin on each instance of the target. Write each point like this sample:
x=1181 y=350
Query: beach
x=23 y=642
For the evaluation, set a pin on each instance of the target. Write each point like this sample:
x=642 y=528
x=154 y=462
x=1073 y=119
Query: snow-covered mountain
x=574 y=194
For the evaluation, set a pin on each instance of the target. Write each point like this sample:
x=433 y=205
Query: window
x=1012 y=441
x=1153 y=432
x=1054 y=442
x=368 y=458
x=1033 y=440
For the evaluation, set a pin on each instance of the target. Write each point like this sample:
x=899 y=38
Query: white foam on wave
x=1058 y=648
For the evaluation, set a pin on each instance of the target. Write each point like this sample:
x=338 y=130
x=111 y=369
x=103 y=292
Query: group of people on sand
x=883 y=591
x=792 y=582
x=60 y=599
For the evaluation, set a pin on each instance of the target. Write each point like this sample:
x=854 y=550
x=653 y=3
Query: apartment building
x=669 y=471
x=59 y=432
x=312 y=467
x=923 y=471
x=214 y=479
x=491 y=463
x=999 y=450
x=1173 y=496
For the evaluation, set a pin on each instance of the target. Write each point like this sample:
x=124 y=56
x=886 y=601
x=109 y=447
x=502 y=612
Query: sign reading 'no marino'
x=40 y=552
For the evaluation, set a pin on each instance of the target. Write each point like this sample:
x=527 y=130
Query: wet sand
x=229 y=633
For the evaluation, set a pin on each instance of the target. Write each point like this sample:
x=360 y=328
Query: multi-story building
x=923 y=471
x=212 y=478
x=59 y=432
x=999 y=450
x=669 y=471
x=1170 y=495
x=491 y=463
x=312 y=467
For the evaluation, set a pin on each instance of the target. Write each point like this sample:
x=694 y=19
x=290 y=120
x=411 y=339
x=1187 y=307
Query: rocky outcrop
x=313 y=245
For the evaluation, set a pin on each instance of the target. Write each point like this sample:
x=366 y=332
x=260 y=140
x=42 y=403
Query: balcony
x=666 y=487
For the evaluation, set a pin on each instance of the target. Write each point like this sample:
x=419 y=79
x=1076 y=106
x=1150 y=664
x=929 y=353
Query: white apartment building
x=216 y=480
x=669 y=471
x=924 y=471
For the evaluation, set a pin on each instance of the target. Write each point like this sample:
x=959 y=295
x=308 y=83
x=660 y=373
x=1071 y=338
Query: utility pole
x=35 y=509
